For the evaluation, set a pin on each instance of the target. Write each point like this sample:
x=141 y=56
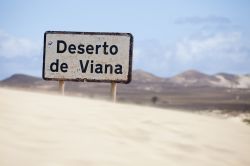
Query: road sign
x=87 y=56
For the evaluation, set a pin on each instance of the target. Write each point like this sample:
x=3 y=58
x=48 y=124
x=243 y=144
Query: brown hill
x=143 y=76
x=189 y=90
x=193 y=78
x=20 y=80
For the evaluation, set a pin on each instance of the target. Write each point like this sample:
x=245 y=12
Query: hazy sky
x=170 y=35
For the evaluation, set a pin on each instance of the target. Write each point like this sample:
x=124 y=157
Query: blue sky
x=170 y=35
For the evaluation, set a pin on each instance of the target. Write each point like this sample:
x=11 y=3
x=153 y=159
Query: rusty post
x=113 y=91
x=61 y=87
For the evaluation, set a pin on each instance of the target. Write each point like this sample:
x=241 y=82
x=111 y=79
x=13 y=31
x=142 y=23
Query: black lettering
x=110 y=68
x=54 y=66
x=72 y=48
x=84 y=67
x=98 y=68
x=80 y=49
x=118 y=69
x=64 y=67
x=113 y=51
x=89 y=49
x=97 y=47
x=59 y=42
x=105 y=46
x=92 y=67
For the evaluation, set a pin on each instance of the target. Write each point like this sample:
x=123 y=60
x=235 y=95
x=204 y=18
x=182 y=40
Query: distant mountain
x=229 y=77
x=232 y=81
x=192 y=78
x=190 y=89
x=27 y=81
x=20 y=80
x=143 y=76
x=192 y=74
x=146 y=80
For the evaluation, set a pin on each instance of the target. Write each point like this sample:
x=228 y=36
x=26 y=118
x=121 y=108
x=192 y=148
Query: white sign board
x=90 y=56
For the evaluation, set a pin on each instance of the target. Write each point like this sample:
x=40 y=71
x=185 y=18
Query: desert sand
x=52 y=130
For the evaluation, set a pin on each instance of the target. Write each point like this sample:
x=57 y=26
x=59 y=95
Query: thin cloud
x=219 y=52
x=213 y=53
x=11 y=46
x=203 y=20
x=190 y=48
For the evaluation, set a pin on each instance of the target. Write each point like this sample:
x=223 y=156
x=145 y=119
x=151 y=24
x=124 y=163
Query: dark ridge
x=230 y=77
x=193 y=74
x=140 y=75
x=189 y=90
x=20 y=80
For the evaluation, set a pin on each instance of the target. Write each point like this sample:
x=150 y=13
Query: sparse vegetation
x=154 y=99
x=247 y=121
x=149 y=89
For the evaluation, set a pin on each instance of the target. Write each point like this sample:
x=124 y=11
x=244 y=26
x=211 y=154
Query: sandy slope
x=46 y=130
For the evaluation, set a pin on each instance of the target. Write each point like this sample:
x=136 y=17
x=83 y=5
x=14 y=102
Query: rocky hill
x=190 y=89
x=197 y=79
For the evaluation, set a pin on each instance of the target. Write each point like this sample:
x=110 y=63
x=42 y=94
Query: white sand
x=47 y=130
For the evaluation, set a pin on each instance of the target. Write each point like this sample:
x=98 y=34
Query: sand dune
x=49 y=130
